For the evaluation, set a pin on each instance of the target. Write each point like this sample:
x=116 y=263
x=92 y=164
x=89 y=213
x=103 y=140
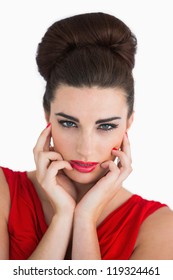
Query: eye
x=107 y=126
x=67 y=124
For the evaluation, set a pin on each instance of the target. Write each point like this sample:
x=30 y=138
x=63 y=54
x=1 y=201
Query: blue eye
x=67 y=124
x=107 y=126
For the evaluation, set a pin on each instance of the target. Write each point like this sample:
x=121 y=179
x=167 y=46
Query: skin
x=86 y=141
x=75 y=203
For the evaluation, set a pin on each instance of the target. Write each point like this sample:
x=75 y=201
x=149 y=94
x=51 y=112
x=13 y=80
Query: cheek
x=116 y=141
x=106 y=149
x=65 y=144
x=61 y=142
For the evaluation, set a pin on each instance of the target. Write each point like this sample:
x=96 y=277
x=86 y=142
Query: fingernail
x=48 y=125
x=127 y=134
x=116 y=149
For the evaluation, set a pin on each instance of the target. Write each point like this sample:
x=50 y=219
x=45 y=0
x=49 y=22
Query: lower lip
x=83 y=169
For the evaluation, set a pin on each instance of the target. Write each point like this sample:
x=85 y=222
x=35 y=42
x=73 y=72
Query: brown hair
x=93 y=49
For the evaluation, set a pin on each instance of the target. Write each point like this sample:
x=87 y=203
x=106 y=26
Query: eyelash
x=112 y=126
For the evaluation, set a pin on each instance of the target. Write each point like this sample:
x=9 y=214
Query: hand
x=49 y=172
x=96 y=199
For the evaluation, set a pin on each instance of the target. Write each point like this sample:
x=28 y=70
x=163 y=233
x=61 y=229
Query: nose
x=85 y=146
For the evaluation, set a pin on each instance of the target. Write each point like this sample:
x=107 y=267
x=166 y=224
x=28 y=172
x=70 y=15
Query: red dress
x=26 y=225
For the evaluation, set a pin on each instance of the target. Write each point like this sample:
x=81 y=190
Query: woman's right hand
x=49 y=173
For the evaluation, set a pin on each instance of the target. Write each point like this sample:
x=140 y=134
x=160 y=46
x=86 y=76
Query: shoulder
x=4 y=195
x=4 y=213
x=155 y=239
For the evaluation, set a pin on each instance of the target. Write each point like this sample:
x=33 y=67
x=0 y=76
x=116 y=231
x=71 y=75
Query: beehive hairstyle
x=85 y=50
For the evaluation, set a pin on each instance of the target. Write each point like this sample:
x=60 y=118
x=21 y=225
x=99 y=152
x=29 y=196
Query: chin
x=85 y=178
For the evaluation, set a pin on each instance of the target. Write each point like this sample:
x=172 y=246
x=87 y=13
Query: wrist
x=90 y=216
x=84 y=218
x=63 y=215
x=65 y=209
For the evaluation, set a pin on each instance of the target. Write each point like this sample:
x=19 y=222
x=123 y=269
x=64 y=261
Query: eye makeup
x=107 y=126
x=67 y=124
x=104 y=127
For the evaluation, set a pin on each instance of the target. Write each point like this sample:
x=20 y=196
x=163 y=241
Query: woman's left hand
x=95 y=200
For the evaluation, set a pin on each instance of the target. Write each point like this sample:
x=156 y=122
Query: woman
x=74 y=206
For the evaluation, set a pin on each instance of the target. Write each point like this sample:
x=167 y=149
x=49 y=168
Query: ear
x=130 y=121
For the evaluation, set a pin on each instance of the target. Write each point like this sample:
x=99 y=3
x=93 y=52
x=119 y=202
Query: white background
x=22 y=25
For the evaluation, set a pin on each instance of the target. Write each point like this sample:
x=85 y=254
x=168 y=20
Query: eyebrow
x=77 y=120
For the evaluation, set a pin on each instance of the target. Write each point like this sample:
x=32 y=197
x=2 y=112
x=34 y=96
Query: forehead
x=94 y=100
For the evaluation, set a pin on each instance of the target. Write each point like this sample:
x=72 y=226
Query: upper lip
x=87 y=163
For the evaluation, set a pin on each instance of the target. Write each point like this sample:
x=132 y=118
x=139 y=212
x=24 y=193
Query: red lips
x=83 y=167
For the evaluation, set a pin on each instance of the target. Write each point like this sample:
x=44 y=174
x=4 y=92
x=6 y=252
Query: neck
x=82 y=189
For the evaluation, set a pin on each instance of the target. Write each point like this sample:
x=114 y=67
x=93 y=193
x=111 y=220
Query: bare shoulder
x=4 y=213
x=155 y=239
x=4 y=195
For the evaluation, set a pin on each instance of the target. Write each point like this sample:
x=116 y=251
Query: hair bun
x=85 y=30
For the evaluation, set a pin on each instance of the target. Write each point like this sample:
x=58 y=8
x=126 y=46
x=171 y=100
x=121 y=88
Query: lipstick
x=83 y=167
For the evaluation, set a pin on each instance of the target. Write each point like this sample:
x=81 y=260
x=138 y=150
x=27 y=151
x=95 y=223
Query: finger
x=107 y=185
x=55 y=166
x=125 y=149
x=124 y=163
x=126 y=145
x=46 y=157
x=113 y=170
x=43 y=160
x=125 y=172
x=122 y=157
x=43 y=141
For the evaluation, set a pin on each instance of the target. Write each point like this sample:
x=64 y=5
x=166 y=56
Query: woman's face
x=86 y=124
